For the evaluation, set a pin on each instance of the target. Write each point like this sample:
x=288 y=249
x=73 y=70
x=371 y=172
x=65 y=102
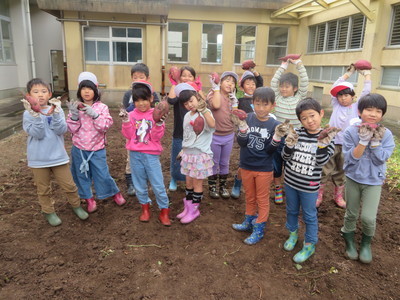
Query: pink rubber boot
x=193 y=213
x=119 y=199
x=91 y=205
x=320 y=194
x=185 y=208
x=339 y=196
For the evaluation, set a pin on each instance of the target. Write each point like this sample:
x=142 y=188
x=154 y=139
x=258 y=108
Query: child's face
x=87 y=94
x=311 y=120
x=40 y=93
x=191 y=105
x=249 y=86
x=143 y=105
x=186 y=76
x=228 y=85
x=139 y=76
x=345 y=99
x=287 y=90
x=262 y=109
x=371 y=115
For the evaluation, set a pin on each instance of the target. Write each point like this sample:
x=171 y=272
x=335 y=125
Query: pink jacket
x=142 y=133
x=90 y=134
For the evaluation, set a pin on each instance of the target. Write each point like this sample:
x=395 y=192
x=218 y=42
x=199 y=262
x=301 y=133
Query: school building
x=108 y=37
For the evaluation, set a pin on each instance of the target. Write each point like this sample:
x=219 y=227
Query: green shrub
x=393 y=168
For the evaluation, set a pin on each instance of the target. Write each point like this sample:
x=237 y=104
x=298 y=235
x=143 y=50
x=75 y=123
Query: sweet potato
x=290 y=56
x=362 y=64
x=175 y=73
x=248 y=64
x=215 y=77
x=370 y=125
x=160 y=110
x=34 y=103
x=198 y=125
x=241 y=114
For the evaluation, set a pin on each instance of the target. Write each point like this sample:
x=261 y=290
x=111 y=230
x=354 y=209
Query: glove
x=57 y=103
x=243 y=127
x=162 y=120
x=292 y=137
x=281 y=130
x=198 y=83
x=90 y=111
x=214 y=86
x=234 y=100
x=350 y=70
x=202 y=106
x=364 y=72
x=294 y=61
x=235 y=119
x=123 y=114
x=73 y=110
x=285 y=65
x=365 y=133
x=379 y=132
x=326 y=136
x=28 y=107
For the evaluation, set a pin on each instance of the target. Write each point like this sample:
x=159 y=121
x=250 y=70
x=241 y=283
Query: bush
x=393 y=168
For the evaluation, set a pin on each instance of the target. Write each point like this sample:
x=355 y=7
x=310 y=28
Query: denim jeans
x=175 y=167
x=221 y=146
x=148 y=167
x=277 y=161
x=98 y=173
x=307 y=201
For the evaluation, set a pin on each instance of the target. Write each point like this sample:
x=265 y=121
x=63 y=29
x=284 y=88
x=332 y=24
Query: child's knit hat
x=143 y=82
x=88 y=76
x=246 y=75
x=185 y=86
x=340 y=87
x=230 y=73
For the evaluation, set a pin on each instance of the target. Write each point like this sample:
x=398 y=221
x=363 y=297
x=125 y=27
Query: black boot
x=222 y=186
x=129 y=185
x=212 y=186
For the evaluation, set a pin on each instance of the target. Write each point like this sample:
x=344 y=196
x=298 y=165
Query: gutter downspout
x=83 y=44
x=163 y=40
x=30 y=38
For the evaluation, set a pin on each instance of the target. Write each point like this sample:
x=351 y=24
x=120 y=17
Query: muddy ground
x=114 y=256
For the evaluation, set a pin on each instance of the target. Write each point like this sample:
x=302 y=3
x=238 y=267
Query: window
x=245 y=44
x=211 y=43
x=277 y=44
x=6 y=42
x=178 y=41
x=337 y=35
x=391 y=77
x=394 y=37
x=113 y=44
x=329 y=73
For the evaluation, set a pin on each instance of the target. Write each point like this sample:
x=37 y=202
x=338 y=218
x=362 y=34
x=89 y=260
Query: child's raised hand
x=365 y=133
x=202 y=106
x=377 y=136
x=243 y=127
x=57 y=103
x=90 y=111
x=292 y=137
x=214 y=86
x=123 y=114
x=73 y=110
x=281 y=130
x=326 y=136
x=28 y=107
x=364 y=72
x=234 y=100
x=162 y=119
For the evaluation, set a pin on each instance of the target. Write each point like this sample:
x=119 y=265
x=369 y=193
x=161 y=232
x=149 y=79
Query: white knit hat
x=88 y=76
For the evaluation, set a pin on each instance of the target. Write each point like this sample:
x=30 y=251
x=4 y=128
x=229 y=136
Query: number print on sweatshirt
x=257 y=137
x=304 y=159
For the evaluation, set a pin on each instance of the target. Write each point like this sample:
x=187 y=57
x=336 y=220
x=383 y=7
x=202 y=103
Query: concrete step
x=10 y=106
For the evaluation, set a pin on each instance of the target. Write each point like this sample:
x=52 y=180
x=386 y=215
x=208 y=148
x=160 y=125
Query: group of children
x=281 y=134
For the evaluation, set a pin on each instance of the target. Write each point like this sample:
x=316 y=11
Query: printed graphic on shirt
x=304 y=158
x=143 y=128
x=257 y=137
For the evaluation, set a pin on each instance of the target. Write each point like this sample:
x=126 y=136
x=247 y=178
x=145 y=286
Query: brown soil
x=114 y=256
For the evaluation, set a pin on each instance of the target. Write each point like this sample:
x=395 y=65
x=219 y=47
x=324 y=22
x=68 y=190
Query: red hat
x=143 y=82
x=340 y=87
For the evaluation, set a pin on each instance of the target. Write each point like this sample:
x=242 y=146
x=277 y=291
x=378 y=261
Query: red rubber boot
x=91 y=205
x=164 y=217
x=119 y=199
x=145 y=216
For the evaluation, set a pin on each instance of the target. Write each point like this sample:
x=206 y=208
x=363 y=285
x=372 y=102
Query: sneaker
x=304 y=254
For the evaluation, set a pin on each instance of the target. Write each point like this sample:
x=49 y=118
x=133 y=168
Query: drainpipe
x=83 y=44
x=30 y=38
x=163 y=33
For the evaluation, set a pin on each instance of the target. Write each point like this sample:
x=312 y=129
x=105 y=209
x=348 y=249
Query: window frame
x=10 y=41
x=245 y=45
x=277 y=46
x=222 y=45
x=389 y=87
x=188 y=48
x=332 y=78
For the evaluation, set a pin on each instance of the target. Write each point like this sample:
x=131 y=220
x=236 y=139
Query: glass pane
x=326 y=73
x=357 y=32
x=238 y=54
x=177 y=52
x=312 y=38
x=395 y=32
x=391 y=76
x=134 y=52
x=97 y=32
x=118 y=32
x=6 y=30
x=212 y=31
x=336 y=73
x=211 y=54
x=4 y=8
x=317 y=72
x=90 y=50
x=8 y=53
x=103 y=51
x=245 y=43
x=342 y=34
x=134 y=32
x=278 y=36
x=182 y=28
x=119 y=51
x=330 y=43
x=274 y=53
x=245 y=34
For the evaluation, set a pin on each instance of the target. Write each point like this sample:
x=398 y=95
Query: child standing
x=258 y=141
x=288 y=93
x=220 y=101
x=139 y=71
x=366 y=147
x=144 y=145
x=46 y=152
x=187 y=74
x=196 y=154
x=305 y=152
x=88 y=127
x=344 y=111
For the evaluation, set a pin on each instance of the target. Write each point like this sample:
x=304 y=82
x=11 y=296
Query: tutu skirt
x=197 y=166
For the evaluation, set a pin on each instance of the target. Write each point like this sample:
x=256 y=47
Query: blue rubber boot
x=173 y=186
x=291 y=241
x=257 y=235
x=235 y=193
x=246 y=225
x=304 y=254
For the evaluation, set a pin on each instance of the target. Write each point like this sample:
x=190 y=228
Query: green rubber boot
x=304 y=254
x=53 y=219
x=80 y=212
x=365 y=249
x=291 y=241
x=351 y=250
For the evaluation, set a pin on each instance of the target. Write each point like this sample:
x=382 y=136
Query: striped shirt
x=304 y=162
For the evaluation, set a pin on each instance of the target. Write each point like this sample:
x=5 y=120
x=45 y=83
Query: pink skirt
x=197 y=166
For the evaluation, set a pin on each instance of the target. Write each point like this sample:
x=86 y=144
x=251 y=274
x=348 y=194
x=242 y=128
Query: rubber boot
x=304 y=254
x=278 y=194
x=129 y=185
x=339 y=196
x=91 y=205
x=192 y=214
x=320 y=194
x=173 y=186
x=212 y=187
x=291 y=241
x=246 y=225
x=351 y=250
x=145 y=216
x=119 y=199
x=365 y=249
x=257 y=235
x=224 y=193
x=53 y=219
x=235 y=193
x=80 y=212
x=164 y=217
x=185 y=208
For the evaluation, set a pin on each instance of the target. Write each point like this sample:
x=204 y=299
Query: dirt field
x=114 y=256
